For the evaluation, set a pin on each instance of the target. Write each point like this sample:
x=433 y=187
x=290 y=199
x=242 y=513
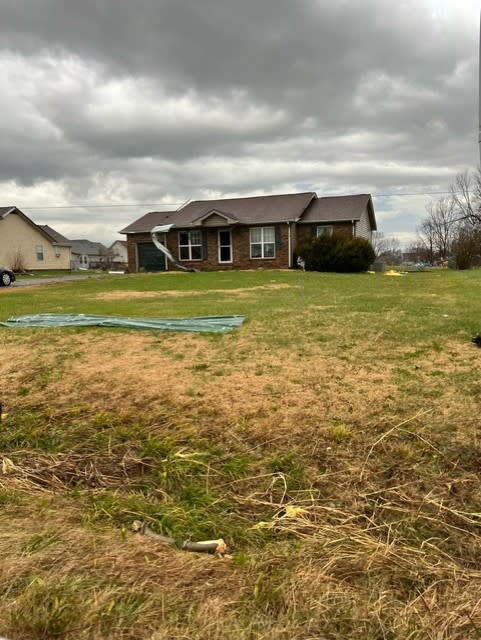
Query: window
x=39 y=252
x=58 y=253
x=225 y=246
x=324 y=230
x=263 y=242
x=190 y=245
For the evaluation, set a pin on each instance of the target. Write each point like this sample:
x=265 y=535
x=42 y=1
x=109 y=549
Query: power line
x=178 y=204
x=414 y=193
x=107 y=206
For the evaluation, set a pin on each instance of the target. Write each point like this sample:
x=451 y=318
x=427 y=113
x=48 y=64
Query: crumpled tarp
x=203 y=324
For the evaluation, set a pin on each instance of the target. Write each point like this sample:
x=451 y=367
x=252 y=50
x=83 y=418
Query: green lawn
x=332 y=441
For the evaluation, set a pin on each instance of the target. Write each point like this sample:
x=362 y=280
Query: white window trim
x=225 y=245
x=262 y=243
x=190 y=246
x=39 y=253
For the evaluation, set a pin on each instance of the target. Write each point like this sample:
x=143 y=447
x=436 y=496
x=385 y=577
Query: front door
x=149 y=258
x=225 y=246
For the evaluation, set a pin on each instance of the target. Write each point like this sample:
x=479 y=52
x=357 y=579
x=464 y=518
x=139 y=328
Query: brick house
x=244 y=233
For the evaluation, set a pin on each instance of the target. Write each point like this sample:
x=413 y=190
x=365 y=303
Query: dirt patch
x=127 y=295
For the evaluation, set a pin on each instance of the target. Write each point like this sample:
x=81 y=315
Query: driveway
x=25 y=282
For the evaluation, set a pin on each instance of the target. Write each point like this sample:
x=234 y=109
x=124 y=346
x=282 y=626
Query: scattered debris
x=301 y=263
x=202 y=324
x=477 y=339
x=290 y=511
x=217 y=547
x=163 y=229
x=7 y=466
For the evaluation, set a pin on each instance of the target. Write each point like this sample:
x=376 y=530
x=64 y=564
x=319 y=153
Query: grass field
x=333 y=442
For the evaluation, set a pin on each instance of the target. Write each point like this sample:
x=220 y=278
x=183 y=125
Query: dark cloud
x=111 y=100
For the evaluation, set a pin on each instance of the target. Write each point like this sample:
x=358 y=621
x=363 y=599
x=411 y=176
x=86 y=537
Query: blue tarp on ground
x=204 y=324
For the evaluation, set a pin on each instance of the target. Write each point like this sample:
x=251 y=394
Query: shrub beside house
x=338 y=253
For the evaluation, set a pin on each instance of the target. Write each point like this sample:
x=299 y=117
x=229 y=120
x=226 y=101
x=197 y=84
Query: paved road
x=24 y=282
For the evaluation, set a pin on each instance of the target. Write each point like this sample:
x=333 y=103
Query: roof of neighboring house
x=55 y=235
x=86 y=247
x=340 y=208
x=47 y=232
x=5 y=210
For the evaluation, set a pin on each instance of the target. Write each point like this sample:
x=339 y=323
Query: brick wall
x=304 y=231
x=240 y=251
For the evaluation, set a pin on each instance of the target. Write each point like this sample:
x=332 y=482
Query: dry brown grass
x=356 y=513
x=170 y=293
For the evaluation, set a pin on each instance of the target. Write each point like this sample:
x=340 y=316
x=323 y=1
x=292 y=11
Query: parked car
x=6 y=277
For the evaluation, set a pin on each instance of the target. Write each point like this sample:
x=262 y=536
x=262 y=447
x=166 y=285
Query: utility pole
x=479 y=90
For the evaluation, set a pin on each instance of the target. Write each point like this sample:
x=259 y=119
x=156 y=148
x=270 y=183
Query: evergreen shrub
x=338 y=253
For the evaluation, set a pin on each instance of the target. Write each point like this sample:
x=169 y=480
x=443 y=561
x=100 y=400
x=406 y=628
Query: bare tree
x=418 y=252
x=439 y=229
x=378 y=242
x=466 y=195
x=387 y=248
x=452 y=226
x=467 y=247
x=17 y=261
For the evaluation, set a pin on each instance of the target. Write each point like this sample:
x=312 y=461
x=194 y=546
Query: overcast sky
x=156 y=102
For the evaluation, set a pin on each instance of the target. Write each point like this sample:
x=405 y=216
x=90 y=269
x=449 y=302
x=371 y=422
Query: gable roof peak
x=4 y=211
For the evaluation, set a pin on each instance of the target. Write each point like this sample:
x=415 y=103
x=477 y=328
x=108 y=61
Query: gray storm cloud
x=113 y=101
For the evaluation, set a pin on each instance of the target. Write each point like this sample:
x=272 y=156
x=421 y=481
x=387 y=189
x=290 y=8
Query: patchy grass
x=333 y=441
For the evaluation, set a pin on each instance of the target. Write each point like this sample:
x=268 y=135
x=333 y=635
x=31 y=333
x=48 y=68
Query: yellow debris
x=291 y=511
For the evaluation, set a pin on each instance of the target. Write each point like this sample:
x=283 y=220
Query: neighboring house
x=246 y=233
x=118 y=254
x=89 y=255
x=26 y=246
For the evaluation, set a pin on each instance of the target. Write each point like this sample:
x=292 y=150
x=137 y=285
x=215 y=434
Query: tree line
x=449 y=234
x=451 y=230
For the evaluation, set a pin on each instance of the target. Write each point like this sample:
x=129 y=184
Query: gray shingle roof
x=250 y=210
x=303 y=207
x=150 y=220
x=337 y=208
x=55 y=235
x=88 y=248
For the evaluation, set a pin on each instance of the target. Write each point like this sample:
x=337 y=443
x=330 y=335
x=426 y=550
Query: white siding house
x=27 y=246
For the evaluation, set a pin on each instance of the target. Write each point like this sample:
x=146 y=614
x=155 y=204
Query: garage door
x=149 y=257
